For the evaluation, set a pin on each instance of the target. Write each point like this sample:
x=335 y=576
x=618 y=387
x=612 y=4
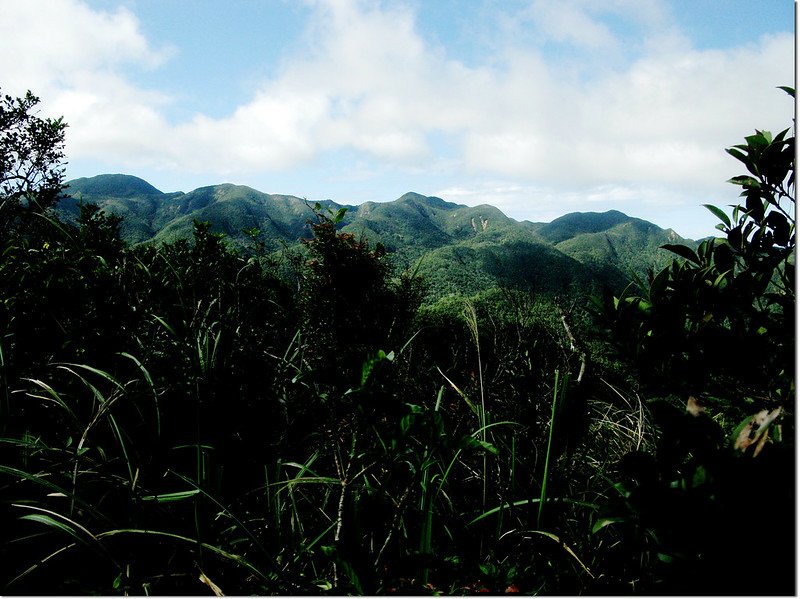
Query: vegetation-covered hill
x=460 y=249
x=150 y=215
x=616 y=246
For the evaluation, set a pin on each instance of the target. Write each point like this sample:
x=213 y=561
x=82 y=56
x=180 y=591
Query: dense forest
x=204 y=416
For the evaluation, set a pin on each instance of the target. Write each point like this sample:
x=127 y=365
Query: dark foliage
x=31 y=151
x=716 y=329
x=195 y=416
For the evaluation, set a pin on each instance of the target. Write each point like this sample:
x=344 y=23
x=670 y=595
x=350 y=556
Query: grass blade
x=557 y=401
x=237 y=559
x=170 y=497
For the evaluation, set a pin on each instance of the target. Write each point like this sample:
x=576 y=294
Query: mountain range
x=459 y=249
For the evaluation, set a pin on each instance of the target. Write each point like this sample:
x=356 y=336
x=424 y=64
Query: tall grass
x=559 y=393
x=226 y=438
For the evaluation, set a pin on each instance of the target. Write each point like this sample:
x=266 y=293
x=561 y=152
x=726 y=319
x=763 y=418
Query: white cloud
x=76 y=64
x=366 y=81
x=48 y=44
x=109 y=116
x=665 y=118
x=543 y=203
x=568 y=22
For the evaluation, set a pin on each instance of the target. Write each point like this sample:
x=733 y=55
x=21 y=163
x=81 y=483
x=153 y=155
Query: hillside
x=150 y=215
x=459 y=249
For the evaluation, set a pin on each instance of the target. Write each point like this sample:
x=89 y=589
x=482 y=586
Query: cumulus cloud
x=74 y=58
x=664 y=206
x=366 y=80
x=569 y=22
x=49 y=45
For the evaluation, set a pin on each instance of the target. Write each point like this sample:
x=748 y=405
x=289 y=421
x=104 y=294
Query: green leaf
x=150 y=384
x=468 y=441
x=53 y=523
x=659 y=283
x=663 y=557
x=758 y=141
x=724 y=258
x=406 y=422
x=221 y=552
x=743 y=158
x=603 y=522
x=719 y=214
x=721 y=278
x=788 y=90
x=682 y=251
x=755 y=206
x=488 y=447
x=532 y=501
x=780 y=137
x=745 y=181
x=168 y=497
x=163 y=323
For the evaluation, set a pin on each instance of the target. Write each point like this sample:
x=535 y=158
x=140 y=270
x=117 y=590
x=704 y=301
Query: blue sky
x=540 y=107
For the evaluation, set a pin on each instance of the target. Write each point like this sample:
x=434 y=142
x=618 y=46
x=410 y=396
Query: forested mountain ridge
x=151 y=215
x=460 y=249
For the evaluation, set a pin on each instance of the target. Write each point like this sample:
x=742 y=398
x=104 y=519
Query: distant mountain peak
x=411 y=195
x=576 y=223
x=114 y=185
x=431 y=201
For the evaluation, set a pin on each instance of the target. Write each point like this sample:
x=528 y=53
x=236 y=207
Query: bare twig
x=395 y=523
x=573 y=346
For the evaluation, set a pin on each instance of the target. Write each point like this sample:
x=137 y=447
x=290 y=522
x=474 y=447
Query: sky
x=538 y=107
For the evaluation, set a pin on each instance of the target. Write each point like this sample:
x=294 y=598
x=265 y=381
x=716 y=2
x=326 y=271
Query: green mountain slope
x=409 y=225
x=132 y=198
x=460 y=249
x=231 y=209
x=611 y=241
x=150 y=215
x=112 y=186
x=468 y=268
x=415 y=224
x=577 y=223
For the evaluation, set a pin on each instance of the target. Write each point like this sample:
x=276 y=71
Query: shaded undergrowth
x=190 y=419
